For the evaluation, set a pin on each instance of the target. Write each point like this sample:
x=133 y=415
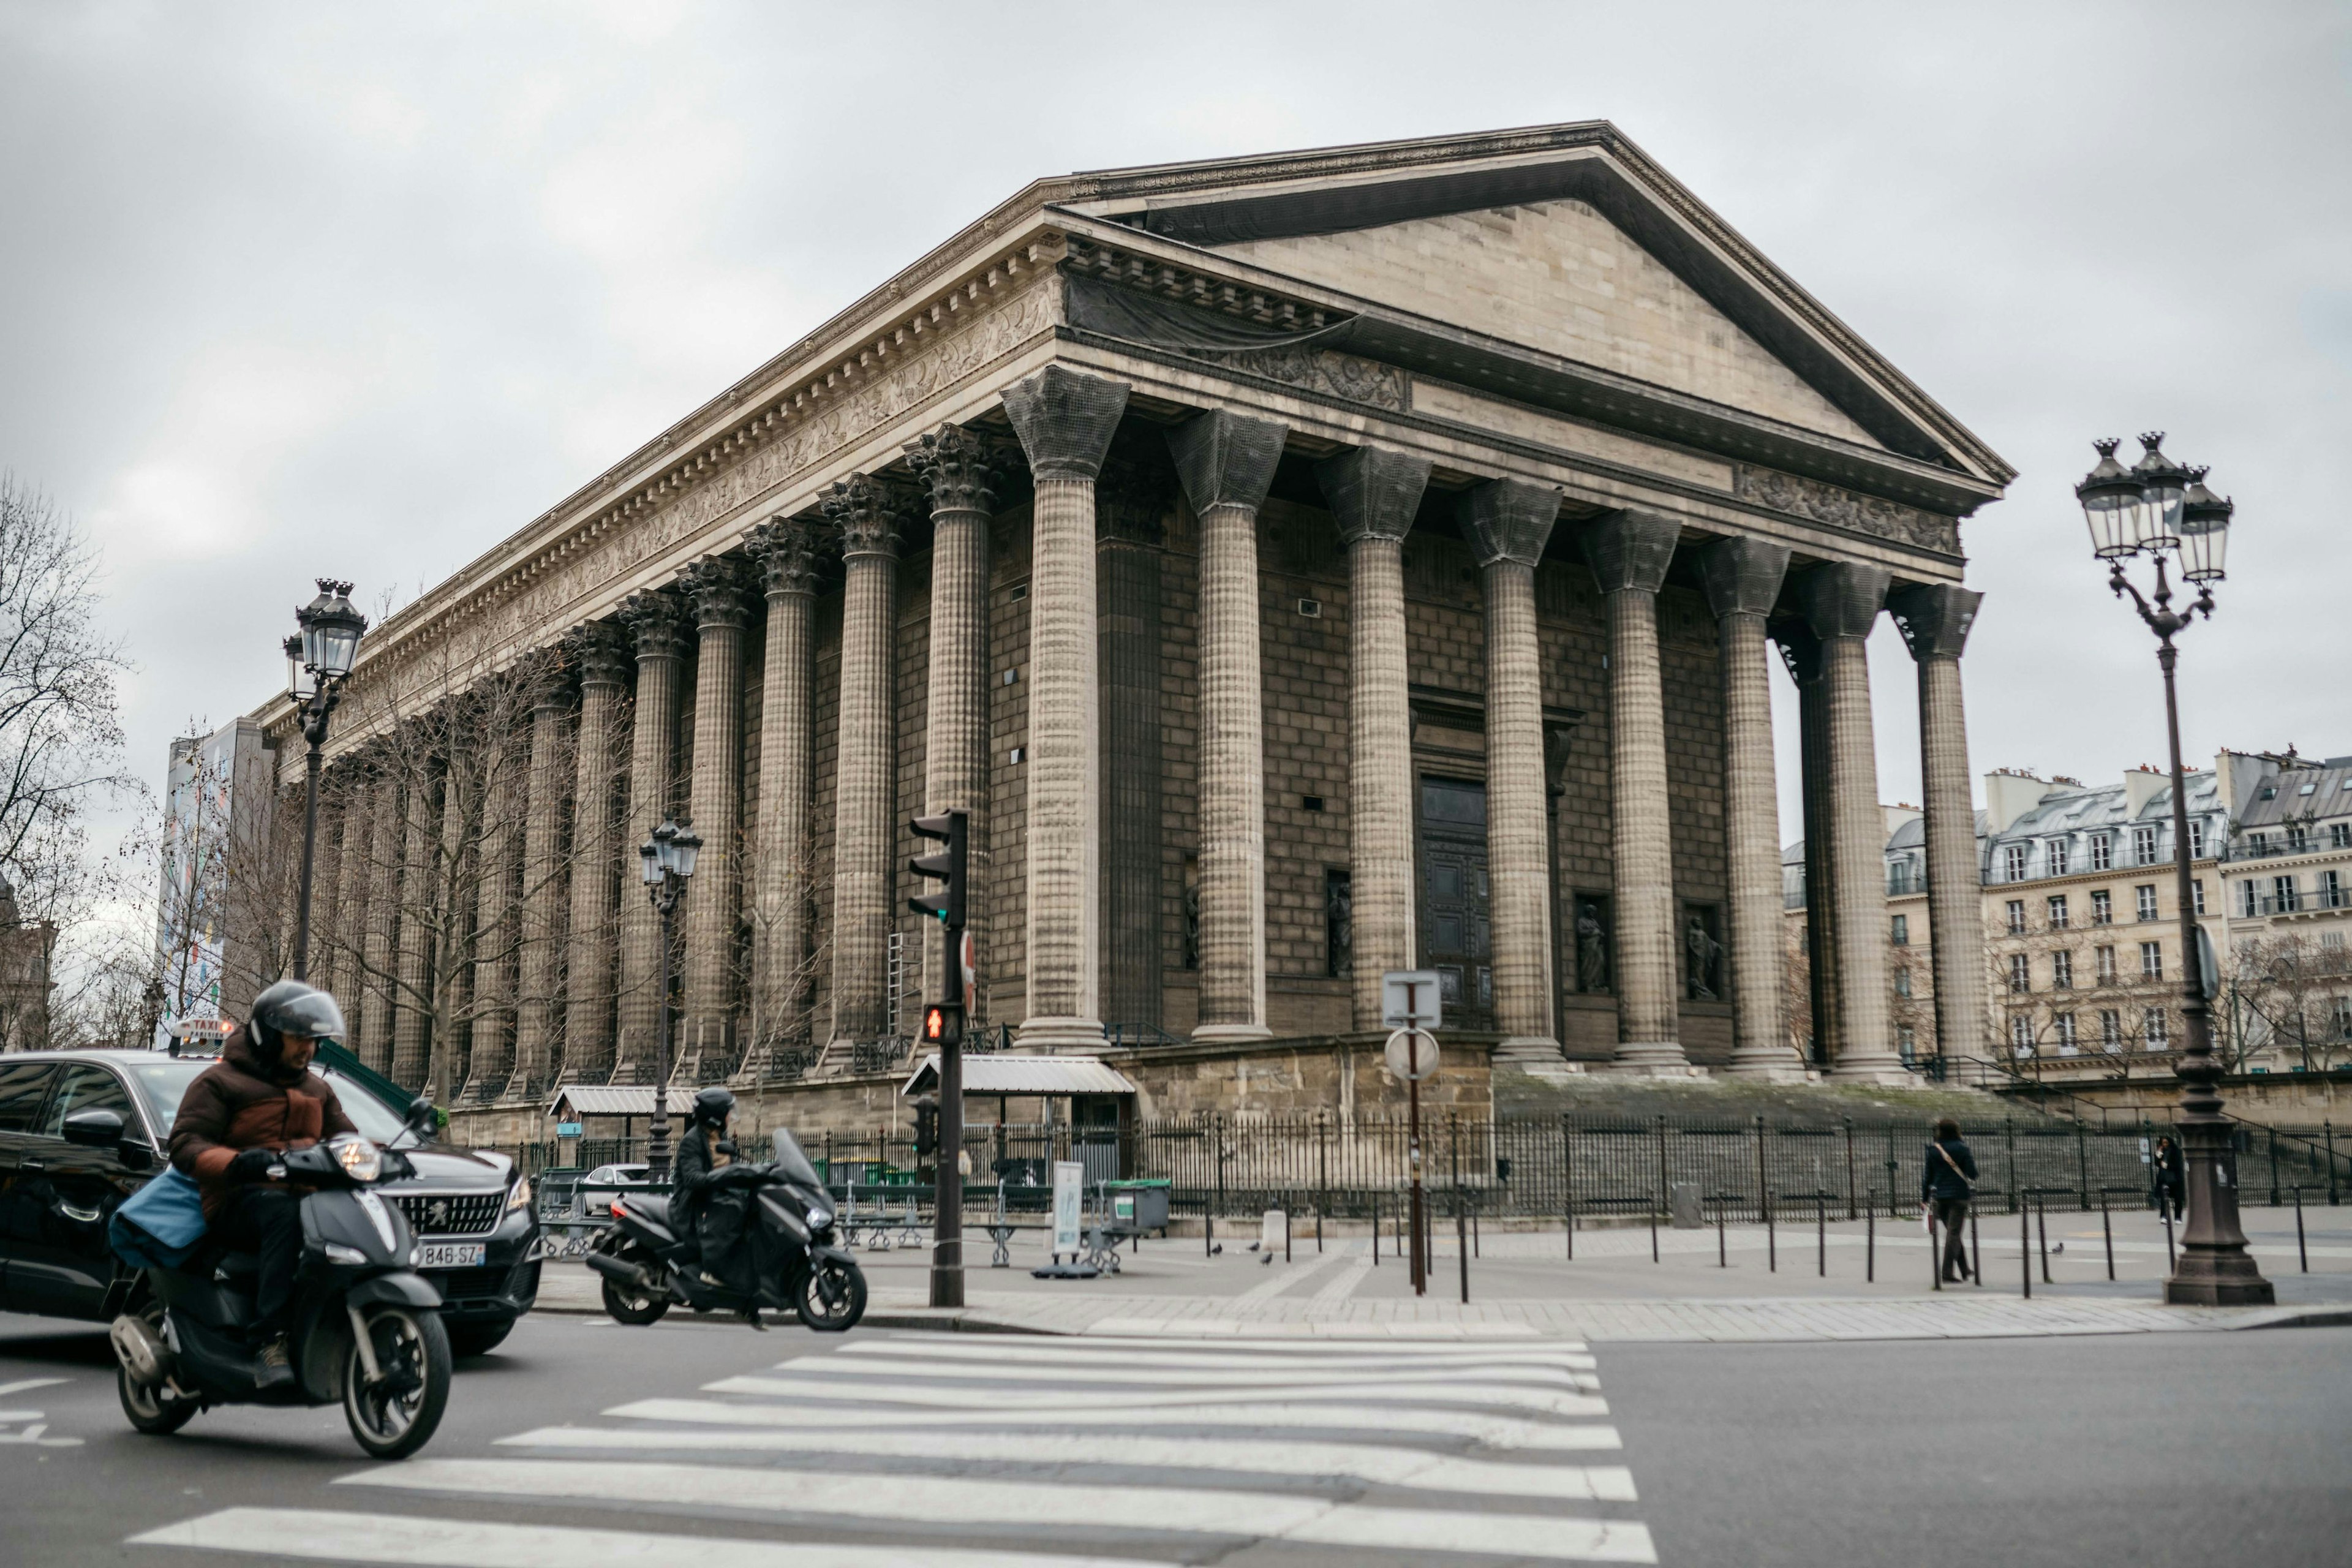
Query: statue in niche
x=1703 y=969
x=1192 y=925
x=1339 y=921
x=1591 y=947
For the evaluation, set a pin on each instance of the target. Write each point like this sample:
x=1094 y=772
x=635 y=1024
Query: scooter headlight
x=818 y=1219
x=361 y=1160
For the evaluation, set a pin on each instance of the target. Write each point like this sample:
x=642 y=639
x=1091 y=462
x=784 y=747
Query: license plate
x=453 y=1255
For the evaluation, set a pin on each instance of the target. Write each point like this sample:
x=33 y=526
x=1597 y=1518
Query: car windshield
x=165 y=1083
x=789 y=1162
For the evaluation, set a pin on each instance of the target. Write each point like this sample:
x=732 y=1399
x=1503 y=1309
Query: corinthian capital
x=785 y=555
x=1225 y=459
x=861 y=509
x=1631 y=550
x=1065 y=419
x=598 y=650
x=657 y=622
x=1509 y=520
x=1934 y=618
x=1742 y=575
x=1372 y=491
x=715 y=586
x=954 y=463
x=1840 y=599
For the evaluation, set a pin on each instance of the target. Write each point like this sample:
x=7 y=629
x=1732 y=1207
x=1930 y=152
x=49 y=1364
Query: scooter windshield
x=791 y=1164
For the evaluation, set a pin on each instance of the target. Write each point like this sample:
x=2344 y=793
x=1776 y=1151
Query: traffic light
x=943 y=1024
x=948 y=829
x=927 y=1127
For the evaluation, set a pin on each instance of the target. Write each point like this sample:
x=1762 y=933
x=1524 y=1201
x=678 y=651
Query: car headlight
x=361 y=1160
x=519 y=1196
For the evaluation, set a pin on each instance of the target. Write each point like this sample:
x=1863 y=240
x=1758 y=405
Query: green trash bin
x=1139 y=1205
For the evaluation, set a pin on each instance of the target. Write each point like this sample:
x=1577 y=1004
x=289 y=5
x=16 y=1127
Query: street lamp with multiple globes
x=319 y=658
x=666 y=861
x=2159 y=509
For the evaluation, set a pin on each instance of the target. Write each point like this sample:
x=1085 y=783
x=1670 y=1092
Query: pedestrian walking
x=2170 y=1175
x=1947 y=1182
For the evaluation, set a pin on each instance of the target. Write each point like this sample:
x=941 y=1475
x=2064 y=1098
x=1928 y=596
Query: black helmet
x=290 y=1007
x=713 y=1105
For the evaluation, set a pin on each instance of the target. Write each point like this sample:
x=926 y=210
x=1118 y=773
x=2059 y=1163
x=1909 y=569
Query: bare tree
x=2290 y=995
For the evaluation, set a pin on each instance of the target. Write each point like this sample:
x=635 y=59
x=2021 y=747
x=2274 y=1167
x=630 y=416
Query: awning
x=993 y=1074
x=614 y=1100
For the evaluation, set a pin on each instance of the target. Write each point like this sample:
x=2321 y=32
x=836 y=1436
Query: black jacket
x=693 y=1174
x=1937 y=1177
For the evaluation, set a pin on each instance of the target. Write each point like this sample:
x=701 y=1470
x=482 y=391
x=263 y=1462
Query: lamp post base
x=2219 y=1292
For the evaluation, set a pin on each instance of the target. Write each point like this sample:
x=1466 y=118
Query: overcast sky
x=299 y=289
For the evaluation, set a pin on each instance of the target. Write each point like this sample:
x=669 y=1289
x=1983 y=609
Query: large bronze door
x=1455 y=936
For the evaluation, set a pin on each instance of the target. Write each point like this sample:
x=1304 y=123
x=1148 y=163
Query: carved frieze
x=1845 y=509
x=1326 y=371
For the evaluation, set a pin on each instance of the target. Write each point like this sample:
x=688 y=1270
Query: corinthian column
x=862 y=833
x=955 y=753
x=489 y=1057
x=1629 y=554
x=378 y=950
x=1064 y=420
x=349 y=932
x=1507 y=523
x=780 y=894
x=599 y=652
x=1225 y=463
x=541 y=959
x=656 y=623
x=1743 y=579
x=1374 y=493
x=715 y=587
x=1839 y=602
x=1935 y=621
x=413 y=968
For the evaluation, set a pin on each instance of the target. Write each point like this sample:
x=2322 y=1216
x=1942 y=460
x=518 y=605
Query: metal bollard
x=1722 y=1247
x=1935 y=1253
x=1870 y=1239
x=1376 y=1230
x=1654 y=1231
x=2042 y=1236
x=1821 y=1232
x=1286 y=1236
x=1208 y=1229
x=1976 y=1249
x=2107 y=1229
x=1771 y=1242
x=2171 y=1263
x=1462 y=1243
x=2025 y=1246
x=2300 y=1250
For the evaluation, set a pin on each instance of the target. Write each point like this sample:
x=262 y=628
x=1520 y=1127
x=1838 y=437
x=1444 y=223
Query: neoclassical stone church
x=1301 y=567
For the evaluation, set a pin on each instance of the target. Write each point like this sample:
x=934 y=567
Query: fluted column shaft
x=715 y=587
x=1934 y=622
x=654 y=618
x=489 y=1055
x=1374 y=494
x=1064 y=420
x=589 y=952
x=1841 y=602
x=1225 y=463
x=326 y=901
x=345 y=968
x=780 y=897
x=1743 y=580
x=1629 y=552
x=955 y=750
x=538 y=1000
x=1810 y=670
x=864 y=834
x=379 y=950
x=411 y=1023
x=1509 y=523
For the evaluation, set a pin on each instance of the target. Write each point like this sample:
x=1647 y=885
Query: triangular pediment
x=1559 y=277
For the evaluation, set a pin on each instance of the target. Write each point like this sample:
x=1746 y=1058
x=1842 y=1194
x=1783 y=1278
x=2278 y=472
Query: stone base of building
x=1769 y=1066
x=1230 y=1034
x=1059 y=1036
x=1654 y=1058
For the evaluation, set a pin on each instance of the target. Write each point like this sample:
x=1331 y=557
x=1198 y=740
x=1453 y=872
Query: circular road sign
x=1412 y=1054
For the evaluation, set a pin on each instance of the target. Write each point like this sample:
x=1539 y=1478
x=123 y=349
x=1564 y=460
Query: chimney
x=2010 y=794
x=2141 y=785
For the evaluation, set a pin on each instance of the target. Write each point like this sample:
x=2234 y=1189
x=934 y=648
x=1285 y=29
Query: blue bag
x=158 y=1225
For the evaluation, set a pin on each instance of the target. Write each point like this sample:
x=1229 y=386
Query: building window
x=2151 y=961
x=2058 y=912
x=2021 y=973
x=2062 y=970
x=2017 y=917
x=1902 y=981
x=2197 y=895
x=2339 y=836
x=1907 y=1043
x=1902 y=937
x=2103 y=961
x=2013 y=863
x=2103 y=852
x=2340 y=1019
x=2102 y=908
x=2284 y=901
x=2021 y=1034
x=2159 y=1030
x=2196 y=839
x=2145 y=894
x=2111 y=1030
x=2260 y=843
x=2328 y=894
x=2298 y=839
x=1339 y=923
x=2064 y=1024
x=2055 y=854
x=2143 y=846
x=2249 y=902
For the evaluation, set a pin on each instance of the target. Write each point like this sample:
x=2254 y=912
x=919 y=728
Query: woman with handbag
x=1947 y=1180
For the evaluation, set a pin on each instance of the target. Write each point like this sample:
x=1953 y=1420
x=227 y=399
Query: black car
x=476 y=1232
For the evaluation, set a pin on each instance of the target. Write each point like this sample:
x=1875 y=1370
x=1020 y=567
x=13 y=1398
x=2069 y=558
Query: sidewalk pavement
x=1839 y=1281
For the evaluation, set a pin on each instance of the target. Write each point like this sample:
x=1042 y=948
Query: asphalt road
x=2145 y=1450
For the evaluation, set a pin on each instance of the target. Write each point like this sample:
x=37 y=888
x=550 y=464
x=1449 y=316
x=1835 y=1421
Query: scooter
x=366 y=1331
x=798 y=1262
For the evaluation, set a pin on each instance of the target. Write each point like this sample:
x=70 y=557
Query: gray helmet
x=290 y=1007
x=713 y=1106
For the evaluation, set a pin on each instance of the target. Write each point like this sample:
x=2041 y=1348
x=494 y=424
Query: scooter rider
x=257 y=1101
x=703 y=1203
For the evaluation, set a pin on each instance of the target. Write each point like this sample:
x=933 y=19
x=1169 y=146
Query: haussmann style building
x=1301 y=567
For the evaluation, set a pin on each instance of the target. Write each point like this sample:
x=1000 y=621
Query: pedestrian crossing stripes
x=903 y=1449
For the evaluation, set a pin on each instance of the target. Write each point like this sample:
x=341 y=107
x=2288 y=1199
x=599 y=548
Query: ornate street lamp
x=2164 y=511
x=318 y=659
x=666 y=861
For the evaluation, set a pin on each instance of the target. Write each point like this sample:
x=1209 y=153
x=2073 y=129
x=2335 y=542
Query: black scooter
x=797 y=1262
x=367 y=1326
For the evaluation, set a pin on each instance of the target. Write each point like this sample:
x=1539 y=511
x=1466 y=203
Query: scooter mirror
x=421 y=1115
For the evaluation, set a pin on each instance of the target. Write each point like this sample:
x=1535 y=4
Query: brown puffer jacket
x=237 y=1103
